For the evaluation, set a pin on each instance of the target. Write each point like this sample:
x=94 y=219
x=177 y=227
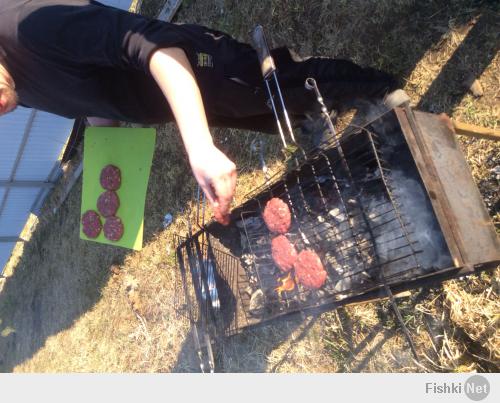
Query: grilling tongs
x=268 y=68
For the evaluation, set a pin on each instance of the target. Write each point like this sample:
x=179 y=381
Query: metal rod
x=275 y=112
x=196 y=339
x=20 y=153
x=285 y=112
x=52 y=178
x=196 y=275
x=389 y=195
x=311 y=84
x=406 y=332
x=11 y=239
x=26 y=184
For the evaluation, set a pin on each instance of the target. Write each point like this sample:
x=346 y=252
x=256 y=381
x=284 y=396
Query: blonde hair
x=6 y=79
x=8 y=86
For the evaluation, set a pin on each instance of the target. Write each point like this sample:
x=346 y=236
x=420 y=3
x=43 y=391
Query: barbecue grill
x=388 y=207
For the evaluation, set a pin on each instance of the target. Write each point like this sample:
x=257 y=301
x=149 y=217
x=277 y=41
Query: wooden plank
x=431 y=182
x=470 y=218
x=466 y=129
x=169 y=9
x=457 y=202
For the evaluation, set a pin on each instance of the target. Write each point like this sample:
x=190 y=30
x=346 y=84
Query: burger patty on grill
x=284 y=253
x=309 y=270
x=277 y=216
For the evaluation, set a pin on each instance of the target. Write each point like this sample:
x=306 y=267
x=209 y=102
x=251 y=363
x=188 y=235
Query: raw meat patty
x=277 y=216
x=91 y=224
x=284 y=253
x=113 y=228
x=309 y=270
x=108 y=203
x=111 y=177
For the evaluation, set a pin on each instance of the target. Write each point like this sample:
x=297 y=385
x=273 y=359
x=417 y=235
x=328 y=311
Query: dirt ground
x=74 y=306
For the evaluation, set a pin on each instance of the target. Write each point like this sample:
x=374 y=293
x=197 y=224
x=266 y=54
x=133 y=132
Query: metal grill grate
x=343 y=208
x=208 y=276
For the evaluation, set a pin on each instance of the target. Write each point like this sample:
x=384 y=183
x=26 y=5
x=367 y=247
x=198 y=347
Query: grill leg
x=406 y=332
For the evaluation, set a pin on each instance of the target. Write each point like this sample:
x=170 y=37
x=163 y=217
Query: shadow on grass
x=248 y=351
x=468 y=62
x=57 y=280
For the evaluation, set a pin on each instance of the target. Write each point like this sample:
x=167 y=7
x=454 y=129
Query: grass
x=69 y=305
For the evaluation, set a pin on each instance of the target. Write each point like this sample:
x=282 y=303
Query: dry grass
x=476 y=311
x=70 y=305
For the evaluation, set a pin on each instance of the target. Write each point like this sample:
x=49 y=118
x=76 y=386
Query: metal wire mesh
x=207 y=276
x=343 y=208
x=344 y=202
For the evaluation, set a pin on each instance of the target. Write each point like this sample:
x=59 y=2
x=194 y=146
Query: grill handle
x=259 y=43
x=268 y=68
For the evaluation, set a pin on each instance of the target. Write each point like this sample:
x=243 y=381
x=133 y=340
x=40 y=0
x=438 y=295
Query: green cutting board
x=131 y=150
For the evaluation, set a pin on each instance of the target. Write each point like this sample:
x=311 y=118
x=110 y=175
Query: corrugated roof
x=30 y=144
x=47 y=138
x=12 y=127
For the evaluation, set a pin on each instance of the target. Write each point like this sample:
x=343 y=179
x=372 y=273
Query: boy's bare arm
x=215 y=173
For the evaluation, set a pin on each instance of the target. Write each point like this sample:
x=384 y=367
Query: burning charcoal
x=257 y=303
x=324 y=232
x=323 y=179
x=337 y=215
x=320 y=294
x=247 y=260
x=263 y=240
x=253 y=280
x=331 y=259
x=343 y=285
x=302 y=296
x=304 y=237
x=249 y=291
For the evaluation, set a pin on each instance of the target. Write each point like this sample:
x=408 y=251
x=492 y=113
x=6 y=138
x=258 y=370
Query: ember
x=287 y=284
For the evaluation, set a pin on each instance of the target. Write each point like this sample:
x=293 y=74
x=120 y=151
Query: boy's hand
x=216 y=175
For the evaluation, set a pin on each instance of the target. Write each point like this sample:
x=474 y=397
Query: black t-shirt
x=79 y=58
